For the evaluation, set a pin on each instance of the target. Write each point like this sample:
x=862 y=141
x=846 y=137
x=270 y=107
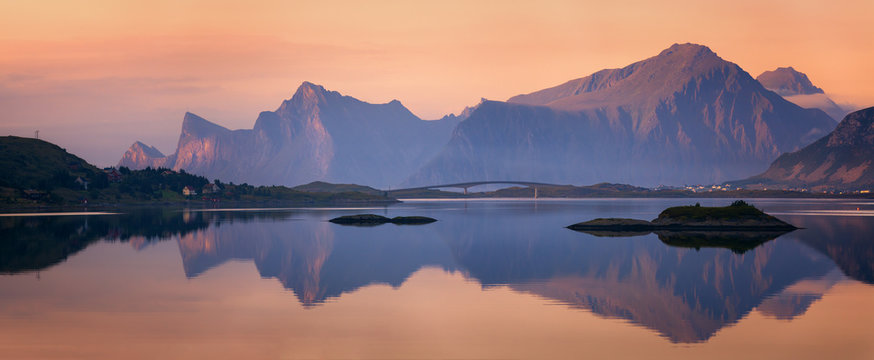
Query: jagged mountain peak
x=649 y=80
x=307 y=95
x=787 y=81
x=310 y=96
x=311 y=90
x=140 y=155
x=196 y=125
x=689 y=50
x=146 y=149
x=689 y=59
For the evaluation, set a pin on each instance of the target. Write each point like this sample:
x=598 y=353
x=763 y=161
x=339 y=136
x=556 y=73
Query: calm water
x=490 y=279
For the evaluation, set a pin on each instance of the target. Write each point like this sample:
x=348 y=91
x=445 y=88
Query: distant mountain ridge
x=840 y=160
x=796 y=87
x=315 y=135
x=788 y=81
x=684 y=116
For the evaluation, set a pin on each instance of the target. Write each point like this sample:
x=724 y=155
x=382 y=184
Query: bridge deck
x=466 y=185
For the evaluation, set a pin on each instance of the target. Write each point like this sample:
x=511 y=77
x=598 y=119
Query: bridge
x=467 y=185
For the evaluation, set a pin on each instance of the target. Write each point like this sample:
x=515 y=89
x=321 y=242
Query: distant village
x=761 y=187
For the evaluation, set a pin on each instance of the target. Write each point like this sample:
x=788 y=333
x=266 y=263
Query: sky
x=94 y=76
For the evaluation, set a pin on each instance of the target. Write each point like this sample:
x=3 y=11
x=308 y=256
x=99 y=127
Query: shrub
x=740 y=203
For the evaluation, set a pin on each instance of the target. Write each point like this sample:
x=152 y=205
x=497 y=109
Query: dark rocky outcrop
x=372 y=220
x=739 y=216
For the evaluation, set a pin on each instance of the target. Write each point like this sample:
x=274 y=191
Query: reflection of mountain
x=685 y=294
x=846 y=240
x=796 y=299
x=313 y=260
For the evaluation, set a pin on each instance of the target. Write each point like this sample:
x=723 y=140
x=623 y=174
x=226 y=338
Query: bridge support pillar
x=465 y=191
x=535 y=193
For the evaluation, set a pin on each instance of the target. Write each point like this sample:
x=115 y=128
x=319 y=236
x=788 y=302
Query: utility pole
x=36 y=134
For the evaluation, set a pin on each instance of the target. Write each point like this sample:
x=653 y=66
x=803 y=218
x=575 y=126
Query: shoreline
x=194 y=204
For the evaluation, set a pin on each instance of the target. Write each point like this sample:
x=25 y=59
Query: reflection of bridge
x=467 y=185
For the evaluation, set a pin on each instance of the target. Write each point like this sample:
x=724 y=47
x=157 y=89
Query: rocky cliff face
x=796 y=87
x=841 y=160
x=315 y=135
x=684 y=116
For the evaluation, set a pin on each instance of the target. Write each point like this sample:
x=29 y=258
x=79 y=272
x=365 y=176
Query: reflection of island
x=736 y=241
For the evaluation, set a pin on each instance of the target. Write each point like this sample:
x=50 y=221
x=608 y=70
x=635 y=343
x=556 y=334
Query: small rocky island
x=739 y=216
x=372 y=220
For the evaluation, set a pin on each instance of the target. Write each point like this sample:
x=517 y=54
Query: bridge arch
x=470 y=184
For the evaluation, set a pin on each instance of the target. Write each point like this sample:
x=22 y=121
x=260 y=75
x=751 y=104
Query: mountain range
x=315 y=135
x=683 y=116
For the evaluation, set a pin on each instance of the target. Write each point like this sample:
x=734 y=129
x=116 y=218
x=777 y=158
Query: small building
x=82 y=182
x=211 y=189
x=34 y=194
x=188 y=191
x=112 y=174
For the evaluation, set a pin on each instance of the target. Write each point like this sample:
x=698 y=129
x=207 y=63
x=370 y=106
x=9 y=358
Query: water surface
x=490 y=279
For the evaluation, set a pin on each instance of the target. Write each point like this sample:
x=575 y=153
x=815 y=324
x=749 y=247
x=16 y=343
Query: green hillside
x=35 y=164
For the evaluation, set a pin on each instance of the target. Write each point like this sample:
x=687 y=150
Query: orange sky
x=94 y=76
